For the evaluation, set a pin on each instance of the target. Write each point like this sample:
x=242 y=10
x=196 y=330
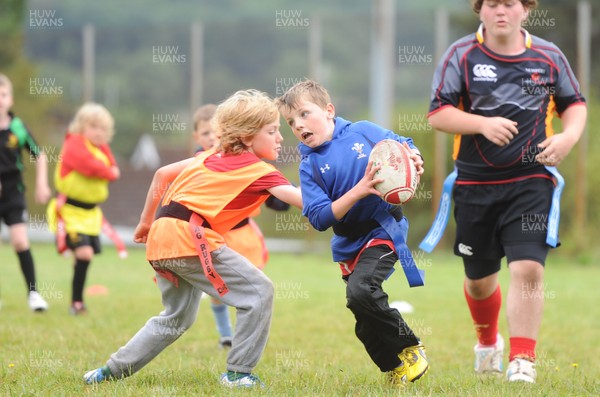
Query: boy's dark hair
x=529 y=4
x=305 y=90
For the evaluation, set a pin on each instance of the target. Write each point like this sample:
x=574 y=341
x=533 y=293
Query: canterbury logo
x=465 y=249
x=484 y=72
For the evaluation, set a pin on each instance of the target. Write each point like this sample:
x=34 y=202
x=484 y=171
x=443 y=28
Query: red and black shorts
x=497 y=220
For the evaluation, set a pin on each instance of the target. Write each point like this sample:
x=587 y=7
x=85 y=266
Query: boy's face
x=266 y=144
x=6 y=100
x=311 y=124
x=502 y=18
x=204 y=136
x=96 y=133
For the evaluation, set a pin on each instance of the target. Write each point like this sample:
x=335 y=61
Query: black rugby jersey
x=12 y=141
x=528 y=88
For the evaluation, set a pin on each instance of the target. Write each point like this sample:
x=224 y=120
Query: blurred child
x=337 y=183
x=204 y=136
x=206 y=196
x=85 y=168
x=245 y=238
x=14 y=136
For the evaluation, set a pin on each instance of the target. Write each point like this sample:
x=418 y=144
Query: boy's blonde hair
x=204 y=113
x=528 y=4
x=5 y=82
x=240 y=117
x=92 y=113
x=307 y=90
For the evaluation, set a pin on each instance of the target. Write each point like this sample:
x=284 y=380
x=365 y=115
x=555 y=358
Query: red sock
x=485 y=314
x=522 y=348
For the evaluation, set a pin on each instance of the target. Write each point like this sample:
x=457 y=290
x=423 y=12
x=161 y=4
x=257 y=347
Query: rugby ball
x=398 y=171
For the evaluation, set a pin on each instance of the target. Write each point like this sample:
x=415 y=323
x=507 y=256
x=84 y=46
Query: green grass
x=312 y=350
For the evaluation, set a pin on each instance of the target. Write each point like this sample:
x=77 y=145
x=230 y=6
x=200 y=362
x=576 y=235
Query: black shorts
x=497 y=220
x=13 y=207
x=75 y=240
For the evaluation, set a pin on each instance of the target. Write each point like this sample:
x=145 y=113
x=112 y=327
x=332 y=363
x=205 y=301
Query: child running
x=14 y=137
x=82 y=176
x=497 y=91
x=207 y=195
x=245 y=238
x=337 y=183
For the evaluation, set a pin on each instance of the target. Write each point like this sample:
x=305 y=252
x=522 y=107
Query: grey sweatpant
x=250 y=292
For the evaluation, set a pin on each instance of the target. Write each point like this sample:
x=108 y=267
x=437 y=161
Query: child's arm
x=363 y=188
x=114 y=168
x=276 y=204
x=287 y=193
x=42 y=190
x=557 y=147
x=76 y=156
x=160 y=182
x=498 y=130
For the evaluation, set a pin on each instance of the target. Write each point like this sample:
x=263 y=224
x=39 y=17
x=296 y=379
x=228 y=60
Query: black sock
x=26 y=261
x=81 y=268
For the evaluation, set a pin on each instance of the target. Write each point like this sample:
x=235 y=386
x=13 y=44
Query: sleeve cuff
x=326 y=218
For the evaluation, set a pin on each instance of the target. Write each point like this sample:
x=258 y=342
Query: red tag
x=201 y=243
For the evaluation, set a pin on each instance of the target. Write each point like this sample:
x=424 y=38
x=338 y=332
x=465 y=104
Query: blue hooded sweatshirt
x=330 y=170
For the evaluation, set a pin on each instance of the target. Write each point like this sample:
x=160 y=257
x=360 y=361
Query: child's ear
x=247 y=141
x=330 y=109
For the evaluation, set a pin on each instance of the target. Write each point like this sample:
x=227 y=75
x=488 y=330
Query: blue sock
x=222 y=318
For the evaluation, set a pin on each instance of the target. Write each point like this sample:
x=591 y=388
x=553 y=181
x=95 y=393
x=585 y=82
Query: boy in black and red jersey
x=497 y=91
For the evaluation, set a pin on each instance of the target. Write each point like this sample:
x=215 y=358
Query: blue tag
x=398 y=232
x=554 y=216
x=440 y=222
x=442 y=216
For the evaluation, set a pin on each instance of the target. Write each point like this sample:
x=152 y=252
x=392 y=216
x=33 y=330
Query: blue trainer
x=240 y=380
x=97 y=375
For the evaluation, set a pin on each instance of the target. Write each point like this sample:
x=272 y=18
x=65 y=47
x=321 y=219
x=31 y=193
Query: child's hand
x=499 y=130
x=366 y=185
x=42 y=194
x=363 y=188
x=140 y=235
x=554 y=149
x=416 y=158
x=116 y=172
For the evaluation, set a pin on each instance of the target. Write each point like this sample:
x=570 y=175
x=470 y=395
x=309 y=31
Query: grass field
x=312 y=350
